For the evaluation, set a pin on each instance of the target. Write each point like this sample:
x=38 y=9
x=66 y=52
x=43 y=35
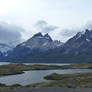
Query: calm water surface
x=30 y=77
x=35 y=76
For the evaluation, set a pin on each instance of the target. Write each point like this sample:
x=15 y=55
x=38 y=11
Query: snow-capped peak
x=42 y=42
x=87 y=40
x=87 y=33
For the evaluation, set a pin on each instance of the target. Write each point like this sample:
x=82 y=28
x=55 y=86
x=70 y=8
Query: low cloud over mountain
x=45 y=27
x=10 y=34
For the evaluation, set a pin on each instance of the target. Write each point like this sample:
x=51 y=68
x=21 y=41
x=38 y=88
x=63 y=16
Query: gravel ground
x=47 y=90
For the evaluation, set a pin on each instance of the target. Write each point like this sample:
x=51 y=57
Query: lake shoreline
x=15 y=69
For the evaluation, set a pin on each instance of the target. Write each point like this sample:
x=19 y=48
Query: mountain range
x=43 y=49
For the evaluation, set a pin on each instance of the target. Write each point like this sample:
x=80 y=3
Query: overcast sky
x=64 y=15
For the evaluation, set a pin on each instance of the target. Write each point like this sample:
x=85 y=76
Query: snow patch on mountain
x=87 y=40
x=42 y=42
x=4 y=48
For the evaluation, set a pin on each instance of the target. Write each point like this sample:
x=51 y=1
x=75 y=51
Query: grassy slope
x=12 y=69
x=79 y=80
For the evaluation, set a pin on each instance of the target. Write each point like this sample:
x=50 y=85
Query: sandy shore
x=48 y=90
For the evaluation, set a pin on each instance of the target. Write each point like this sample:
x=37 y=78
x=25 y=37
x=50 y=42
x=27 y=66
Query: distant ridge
x=42 y=49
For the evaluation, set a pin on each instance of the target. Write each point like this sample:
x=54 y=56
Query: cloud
x=88 y=25
x=57 y=33
x=44 y=27
x=15 y=35
x=69 y=32
x=65 y=34
x=10 y=34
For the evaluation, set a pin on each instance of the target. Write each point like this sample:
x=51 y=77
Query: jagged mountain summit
x=42 y=49
x=80 y=43
x=78 y=49
x=36 y=45
x=41 y=42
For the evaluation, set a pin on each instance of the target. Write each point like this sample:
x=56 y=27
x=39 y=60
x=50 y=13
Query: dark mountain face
x=42 y=49
x=40 y=42
x=34 y=46
x=76 y=50
x=79 y=44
